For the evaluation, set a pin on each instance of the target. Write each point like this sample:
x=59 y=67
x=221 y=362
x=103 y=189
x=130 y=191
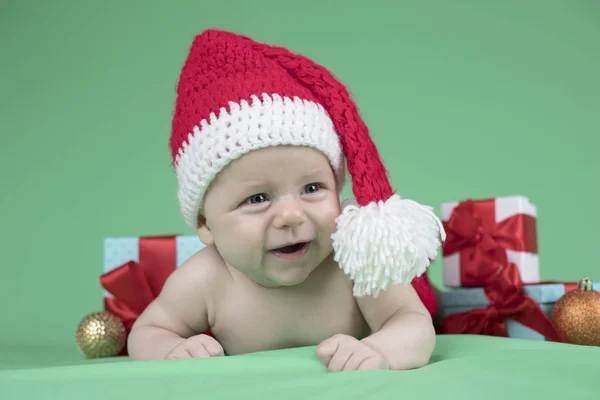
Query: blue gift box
x=120 y=250
x=466 y=299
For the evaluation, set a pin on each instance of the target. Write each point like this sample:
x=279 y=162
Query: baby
x=260 y=141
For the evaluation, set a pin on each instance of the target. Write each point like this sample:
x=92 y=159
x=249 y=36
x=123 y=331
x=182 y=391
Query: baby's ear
x=347 y=202
x=204 y=233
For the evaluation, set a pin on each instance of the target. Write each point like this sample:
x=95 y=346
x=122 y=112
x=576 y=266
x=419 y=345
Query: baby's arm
x=403 y=336
x=403 y=331
x=178 y=313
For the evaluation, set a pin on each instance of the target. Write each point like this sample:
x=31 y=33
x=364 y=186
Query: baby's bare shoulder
x=201 y=271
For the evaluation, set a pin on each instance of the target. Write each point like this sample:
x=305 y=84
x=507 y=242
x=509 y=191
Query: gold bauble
x=101 y=334
x=576 y=315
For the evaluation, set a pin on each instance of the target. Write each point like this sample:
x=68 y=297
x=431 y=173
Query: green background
x=464 y=99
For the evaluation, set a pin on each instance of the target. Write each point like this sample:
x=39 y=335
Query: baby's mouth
x=291 y=252
x=291 y=248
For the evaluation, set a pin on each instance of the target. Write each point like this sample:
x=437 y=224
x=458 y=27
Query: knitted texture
x=224 y=69
x=402 y=228
x=232 y=100
x=236 y=95
x=369 y=177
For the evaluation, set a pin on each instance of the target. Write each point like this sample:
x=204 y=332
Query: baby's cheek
x=248 y=232
x=333 y=211
x=237 y=252
x=236 y=236
x=250 y=241
x=327 y=227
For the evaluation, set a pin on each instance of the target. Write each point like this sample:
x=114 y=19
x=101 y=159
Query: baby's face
x=268 y=199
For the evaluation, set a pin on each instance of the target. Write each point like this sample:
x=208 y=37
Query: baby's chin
x=292 y=277
x=300 y=275
x=280 y=275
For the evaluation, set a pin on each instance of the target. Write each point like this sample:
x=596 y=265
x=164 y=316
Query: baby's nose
x=289 y=217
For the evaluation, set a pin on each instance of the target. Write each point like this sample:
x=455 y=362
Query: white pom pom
x=381 y=245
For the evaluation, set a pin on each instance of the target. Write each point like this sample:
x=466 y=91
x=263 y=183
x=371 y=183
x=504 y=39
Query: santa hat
x=236 y=95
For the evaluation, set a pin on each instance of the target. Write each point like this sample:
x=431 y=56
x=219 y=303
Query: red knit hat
x=236 y=95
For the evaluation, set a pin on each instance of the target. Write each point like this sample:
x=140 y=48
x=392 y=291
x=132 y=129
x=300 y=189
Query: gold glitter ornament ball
x=576 y=315
x=101 y=334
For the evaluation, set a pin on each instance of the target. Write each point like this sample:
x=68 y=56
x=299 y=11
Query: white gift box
x=505 y=207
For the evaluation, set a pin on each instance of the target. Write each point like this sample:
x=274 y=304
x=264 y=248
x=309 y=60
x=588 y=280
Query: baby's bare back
x=245 y=317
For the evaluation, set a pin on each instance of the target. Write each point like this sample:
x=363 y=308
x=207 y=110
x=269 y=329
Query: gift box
x=474 y=300
x=135 y=270
x=118 y=251
x=482 y=232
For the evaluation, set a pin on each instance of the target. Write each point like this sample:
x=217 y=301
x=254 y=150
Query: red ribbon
x=135 y=285
x=506 y=302
x=482 y=242
x=473 y=231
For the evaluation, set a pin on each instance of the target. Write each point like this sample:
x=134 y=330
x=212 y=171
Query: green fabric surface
x=462 y=367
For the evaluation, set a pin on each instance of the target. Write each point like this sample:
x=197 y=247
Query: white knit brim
x=270 y=121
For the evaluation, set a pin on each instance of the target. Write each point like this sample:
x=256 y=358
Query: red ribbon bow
x=482 y=242
x=473 y=231
x=135 y=285
x=506 y=302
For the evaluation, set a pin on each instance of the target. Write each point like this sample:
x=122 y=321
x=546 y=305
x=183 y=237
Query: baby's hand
x=196 y=347
x=345 y=353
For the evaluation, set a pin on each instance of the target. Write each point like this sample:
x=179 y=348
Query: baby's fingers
x=356 y=359
x=330 y=346
x=326 y=350
x=213 y=348
x=204 y=346
x=340 y=359
x=373 y=361
x=178 y=354
x=198 y=351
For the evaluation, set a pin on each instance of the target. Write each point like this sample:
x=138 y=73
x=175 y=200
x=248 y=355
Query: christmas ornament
x=101 y=334
x=577 y=315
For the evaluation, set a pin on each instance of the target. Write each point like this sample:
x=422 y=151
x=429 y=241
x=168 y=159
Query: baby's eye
x=257 y=198
x=312 y=188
